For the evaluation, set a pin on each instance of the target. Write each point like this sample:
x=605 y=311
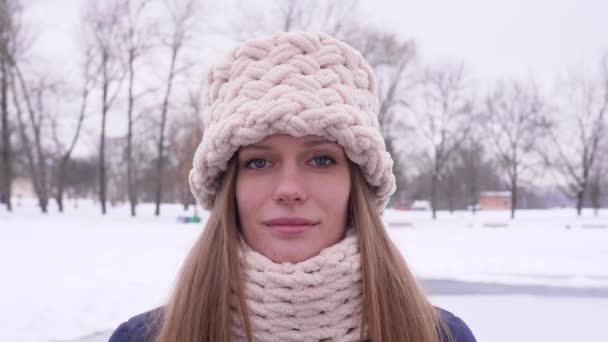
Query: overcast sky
x=499 y=38
x=495 y=38
x=540 y=39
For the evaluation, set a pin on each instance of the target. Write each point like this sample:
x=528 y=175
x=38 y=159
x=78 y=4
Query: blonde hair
x=394 y=309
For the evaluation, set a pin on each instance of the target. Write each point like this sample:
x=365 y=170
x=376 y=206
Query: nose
x=289 y=188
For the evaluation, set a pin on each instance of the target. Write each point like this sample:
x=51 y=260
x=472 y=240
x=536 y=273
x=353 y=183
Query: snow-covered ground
x=538 y=247
x=76 y=276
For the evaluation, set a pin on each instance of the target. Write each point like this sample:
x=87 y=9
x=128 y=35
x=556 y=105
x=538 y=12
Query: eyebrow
x=312 y=143
x=255 y=147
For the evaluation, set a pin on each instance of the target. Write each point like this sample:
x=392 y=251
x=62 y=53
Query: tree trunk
x=66 y=157
x=473 y=190
x=513 y=199
x=434 y=180
x=451 y=192
x=580 y=196
x=25 y=141
x=130 y=177
x=514 y=193
x=61 y=182
x=595 y=201
x=102 y=161
x=161 y=142
x=5 y=156
x=102 y=139
x=43 y=197
x=595 y=191
x=582 y=185
x=37 y=165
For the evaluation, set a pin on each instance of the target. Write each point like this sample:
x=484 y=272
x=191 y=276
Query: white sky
x=499 y=38
x=495 y=38
x=540 y=39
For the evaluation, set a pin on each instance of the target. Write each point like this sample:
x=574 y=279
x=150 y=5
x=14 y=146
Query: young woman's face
x=292 y=196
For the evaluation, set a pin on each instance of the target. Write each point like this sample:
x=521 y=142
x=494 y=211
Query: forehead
x=287 y=141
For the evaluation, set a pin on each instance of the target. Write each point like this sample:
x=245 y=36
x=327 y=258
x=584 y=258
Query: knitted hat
x=296 y=83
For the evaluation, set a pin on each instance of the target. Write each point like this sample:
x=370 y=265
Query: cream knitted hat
x=296 y=83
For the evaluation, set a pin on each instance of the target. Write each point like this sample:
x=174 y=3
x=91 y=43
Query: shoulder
x=140 y=328
x=458 y=328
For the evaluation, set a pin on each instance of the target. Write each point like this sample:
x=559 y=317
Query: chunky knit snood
x=319 y=299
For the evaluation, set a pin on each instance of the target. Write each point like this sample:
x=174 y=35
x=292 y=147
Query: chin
x=293 y=254
x=294 y=259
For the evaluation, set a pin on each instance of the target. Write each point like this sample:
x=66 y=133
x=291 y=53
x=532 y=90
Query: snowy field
x=76 y=276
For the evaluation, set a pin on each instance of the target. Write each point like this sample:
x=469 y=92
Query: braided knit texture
x=319 y=299
x=296 y=83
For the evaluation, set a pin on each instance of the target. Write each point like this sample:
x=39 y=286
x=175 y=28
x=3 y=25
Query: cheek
x=249 y=196
x=334 y=193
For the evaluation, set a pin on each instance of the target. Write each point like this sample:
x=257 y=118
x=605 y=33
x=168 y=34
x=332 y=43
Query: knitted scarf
x=319 y=299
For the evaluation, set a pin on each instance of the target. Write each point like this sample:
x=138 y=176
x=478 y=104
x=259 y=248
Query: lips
x=288 y=226
x=289 y=221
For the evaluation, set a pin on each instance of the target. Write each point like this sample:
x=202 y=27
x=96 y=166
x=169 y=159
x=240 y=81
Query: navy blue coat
x=137 y=328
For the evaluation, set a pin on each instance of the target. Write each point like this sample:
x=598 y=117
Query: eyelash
x=331 y=160
x=248 y=163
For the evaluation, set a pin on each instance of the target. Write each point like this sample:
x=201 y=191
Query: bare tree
x=65 y=153
x=450 y=181
x=80 y=179
x=181 y=27
x=186 y=138
x=10 y=11
x=471 y=156
x=34 y=98
x=514 y=122
x=17 y=44
x=328 y=16
x=333 y=17
x=136 y=37
x=578 y=130
x=101 y=21
x=441 y=118
x=597 y=182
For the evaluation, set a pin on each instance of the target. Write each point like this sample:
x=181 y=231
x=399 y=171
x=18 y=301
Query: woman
x=294 y=171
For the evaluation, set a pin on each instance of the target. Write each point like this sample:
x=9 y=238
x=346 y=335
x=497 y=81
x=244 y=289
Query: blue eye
x=257 y=163
x=323 y=161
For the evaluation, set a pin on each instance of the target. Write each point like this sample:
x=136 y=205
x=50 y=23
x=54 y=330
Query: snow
x=76 y=276
x=530 y=318
x=538 y=247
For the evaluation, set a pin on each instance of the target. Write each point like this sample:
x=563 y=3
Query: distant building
x=402 y=204
x=495 y=200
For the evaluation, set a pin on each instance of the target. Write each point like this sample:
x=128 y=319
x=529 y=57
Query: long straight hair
x=199 y=309
x=394 y=306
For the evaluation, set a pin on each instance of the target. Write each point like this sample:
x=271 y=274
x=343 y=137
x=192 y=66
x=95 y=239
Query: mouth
x=290 y=225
